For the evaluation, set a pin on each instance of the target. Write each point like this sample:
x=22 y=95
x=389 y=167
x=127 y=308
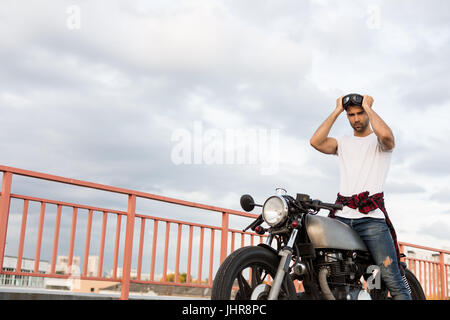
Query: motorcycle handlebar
x=317 y=204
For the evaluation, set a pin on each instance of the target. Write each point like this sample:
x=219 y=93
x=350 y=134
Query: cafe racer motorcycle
x=328 y=256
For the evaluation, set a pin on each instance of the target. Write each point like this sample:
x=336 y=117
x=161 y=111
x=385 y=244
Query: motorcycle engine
x=343 y=275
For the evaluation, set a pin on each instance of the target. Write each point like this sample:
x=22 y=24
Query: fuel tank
x=326 y=232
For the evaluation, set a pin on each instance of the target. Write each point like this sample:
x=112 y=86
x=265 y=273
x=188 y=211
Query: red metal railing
x=126 y=246
x=190 y=238
x=433 y=275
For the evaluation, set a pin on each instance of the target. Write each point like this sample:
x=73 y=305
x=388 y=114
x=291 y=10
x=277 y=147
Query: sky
x=206 y=100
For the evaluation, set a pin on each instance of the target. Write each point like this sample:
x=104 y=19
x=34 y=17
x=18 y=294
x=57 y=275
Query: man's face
x=359 y=120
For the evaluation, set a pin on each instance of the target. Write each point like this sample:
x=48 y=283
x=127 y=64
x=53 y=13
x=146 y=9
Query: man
x=364 y=160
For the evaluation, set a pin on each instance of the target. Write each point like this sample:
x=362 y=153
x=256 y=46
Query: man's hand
x=339 y=107
x=381 y=129
x=367 y=102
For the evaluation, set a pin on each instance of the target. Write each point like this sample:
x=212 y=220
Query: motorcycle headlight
x=275 y=211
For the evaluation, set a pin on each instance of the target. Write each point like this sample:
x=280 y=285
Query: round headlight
x=275 y=210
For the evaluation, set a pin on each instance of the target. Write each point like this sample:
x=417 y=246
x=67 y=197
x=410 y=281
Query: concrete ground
x=14 y=293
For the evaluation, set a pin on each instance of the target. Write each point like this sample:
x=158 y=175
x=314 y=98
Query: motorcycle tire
x=415 y=289
x=230 y=283
x=414 y=286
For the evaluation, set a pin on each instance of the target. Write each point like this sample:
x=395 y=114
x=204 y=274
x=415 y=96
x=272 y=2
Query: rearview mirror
x=247 y=202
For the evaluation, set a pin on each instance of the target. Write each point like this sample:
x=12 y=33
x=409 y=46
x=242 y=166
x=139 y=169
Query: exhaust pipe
x=323 y=273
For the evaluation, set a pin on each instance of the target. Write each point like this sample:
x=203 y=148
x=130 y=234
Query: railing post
x=443 y=275
x=224 y=239
x=128 y=247
x=4 y=213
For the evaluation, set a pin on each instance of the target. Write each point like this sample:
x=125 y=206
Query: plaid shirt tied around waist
x=365 y=204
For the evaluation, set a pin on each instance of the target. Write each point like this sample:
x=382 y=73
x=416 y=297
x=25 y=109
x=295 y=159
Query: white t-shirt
x=363 y=166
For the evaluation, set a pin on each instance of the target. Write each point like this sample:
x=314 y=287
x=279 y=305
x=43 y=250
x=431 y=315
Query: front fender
x=265 y=246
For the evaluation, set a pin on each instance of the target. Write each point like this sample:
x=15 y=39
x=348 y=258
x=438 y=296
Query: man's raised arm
x=320 y=140
x=381 y=129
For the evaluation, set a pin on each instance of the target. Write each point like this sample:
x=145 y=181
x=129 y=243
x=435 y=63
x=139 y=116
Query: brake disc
x=261 y=292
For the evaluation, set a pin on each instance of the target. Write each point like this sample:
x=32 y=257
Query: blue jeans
x=377 y=237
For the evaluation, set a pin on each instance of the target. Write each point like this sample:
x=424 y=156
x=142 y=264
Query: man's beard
x=362 y=126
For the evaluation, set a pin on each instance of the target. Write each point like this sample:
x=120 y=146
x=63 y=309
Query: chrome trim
x=285 y=210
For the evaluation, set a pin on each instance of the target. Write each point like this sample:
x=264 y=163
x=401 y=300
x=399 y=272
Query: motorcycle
x=326 y=255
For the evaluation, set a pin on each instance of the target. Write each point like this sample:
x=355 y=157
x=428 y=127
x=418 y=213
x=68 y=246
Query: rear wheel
x=413 y=285
x=246 y=272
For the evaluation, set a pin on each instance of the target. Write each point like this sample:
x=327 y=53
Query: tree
x=171 y=277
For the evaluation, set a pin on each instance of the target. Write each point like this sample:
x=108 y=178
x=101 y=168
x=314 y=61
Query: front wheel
x=245 y=270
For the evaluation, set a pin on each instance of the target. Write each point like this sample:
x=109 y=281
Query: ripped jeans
x=375 y=234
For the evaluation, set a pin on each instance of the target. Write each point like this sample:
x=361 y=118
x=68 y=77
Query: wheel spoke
x=244 y=288
x=256 y=276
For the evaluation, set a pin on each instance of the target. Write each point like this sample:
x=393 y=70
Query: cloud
x=403 y=187
x=433 y=162
x=442 y=195
x=438 y=229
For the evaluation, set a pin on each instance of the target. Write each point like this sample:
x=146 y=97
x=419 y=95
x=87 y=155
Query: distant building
x=92 y=266
x=10 y=263
x=61 y=268
x=133 y=274
x=73 y=283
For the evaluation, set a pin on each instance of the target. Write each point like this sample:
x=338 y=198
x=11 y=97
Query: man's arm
x=381 y=129
x=320 y=140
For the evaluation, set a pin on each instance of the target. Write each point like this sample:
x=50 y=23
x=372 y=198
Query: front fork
x=283 y=267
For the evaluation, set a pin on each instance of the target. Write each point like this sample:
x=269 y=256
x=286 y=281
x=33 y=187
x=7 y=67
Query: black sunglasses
x=352 y=99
